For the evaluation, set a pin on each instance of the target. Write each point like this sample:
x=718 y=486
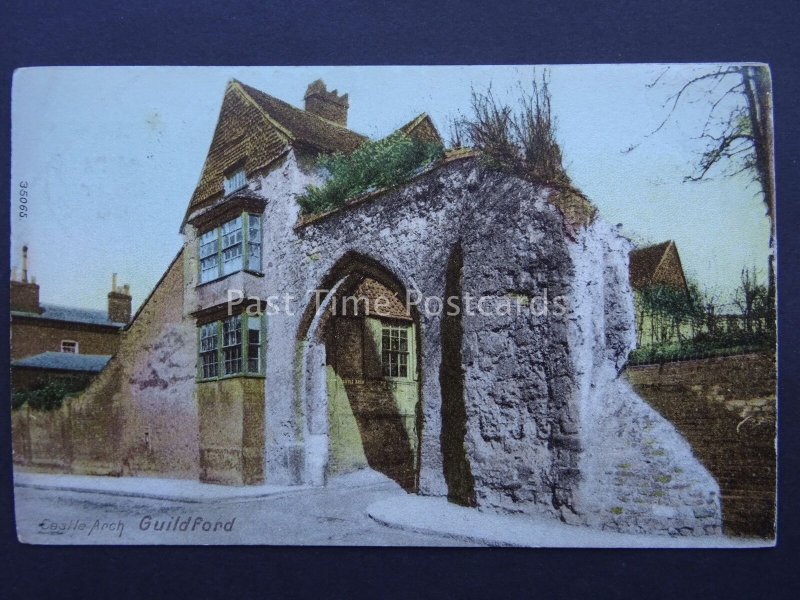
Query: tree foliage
x=47 y=395
x=681 y=324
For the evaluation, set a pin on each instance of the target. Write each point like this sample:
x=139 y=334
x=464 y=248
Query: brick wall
x=725 y=408
x=34 y=336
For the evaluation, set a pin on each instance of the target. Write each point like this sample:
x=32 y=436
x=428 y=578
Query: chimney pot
x=119 y=302
x=25 y=264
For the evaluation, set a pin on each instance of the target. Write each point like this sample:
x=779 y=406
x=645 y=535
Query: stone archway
x=359 y=382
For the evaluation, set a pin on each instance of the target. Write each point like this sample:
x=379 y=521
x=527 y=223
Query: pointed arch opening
x=359 y=374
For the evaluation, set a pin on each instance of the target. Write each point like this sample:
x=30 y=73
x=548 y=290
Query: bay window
x=222 y=249
x=224 y=351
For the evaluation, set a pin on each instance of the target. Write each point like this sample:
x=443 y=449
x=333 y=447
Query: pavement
x=66 y=510
x=174 y=490
x=362 y=508
x=431 y=515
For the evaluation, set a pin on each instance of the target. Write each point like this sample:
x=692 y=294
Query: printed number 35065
x=23 y=199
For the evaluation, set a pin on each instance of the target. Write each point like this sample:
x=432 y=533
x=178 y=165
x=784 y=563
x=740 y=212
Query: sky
x=111 y=156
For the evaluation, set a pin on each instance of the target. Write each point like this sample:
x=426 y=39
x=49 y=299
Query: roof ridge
x=70 y=307
x=246 y=88
x=414 y=122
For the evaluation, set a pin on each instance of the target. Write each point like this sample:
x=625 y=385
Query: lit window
x=234 y=181
x=236 y=354
x=221 y=250
x=394 y=350
x=69 y=346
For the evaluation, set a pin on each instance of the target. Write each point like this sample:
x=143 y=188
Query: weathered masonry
x=513 y=402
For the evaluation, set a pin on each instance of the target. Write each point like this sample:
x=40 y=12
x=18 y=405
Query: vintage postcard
x=394 y=306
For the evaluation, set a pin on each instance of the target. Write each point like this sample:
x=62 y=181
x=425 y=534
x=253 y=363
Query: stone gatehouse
x=242 y=367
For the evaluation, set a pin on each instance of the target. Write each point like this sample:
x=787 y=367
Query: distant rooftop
x=71 y=314
x=64 y=361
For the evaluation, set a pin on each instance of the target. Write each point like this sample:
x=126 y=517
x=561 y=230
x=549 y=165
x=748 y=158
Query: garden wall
x=725 y=408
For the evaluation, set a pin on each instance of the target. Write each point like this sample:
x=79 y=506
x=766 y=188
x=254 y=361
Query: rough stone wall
x=520 y=440
x=725 y=407
x=637 y=473
x=138 y=416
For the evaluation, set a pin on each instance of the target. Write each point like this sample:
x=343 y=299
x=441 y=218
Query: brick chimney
x=24 y=293
x=119 y=302
x=328 y=105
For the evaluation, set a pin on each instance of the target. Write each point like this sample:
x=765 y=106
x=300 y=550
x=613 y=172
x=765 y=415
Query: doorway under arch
x=360 y=375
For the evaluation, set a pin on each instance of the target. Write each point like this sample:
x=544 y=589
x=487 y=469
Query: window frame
x=243 y=345
x=230 y=178
x=246 y=243
x=408 y=330
x=76 y=346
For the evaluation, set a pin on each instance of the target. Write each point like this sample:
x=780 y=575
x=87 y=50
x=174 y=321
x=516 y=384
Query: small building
x=52 y=342
x=652 y=269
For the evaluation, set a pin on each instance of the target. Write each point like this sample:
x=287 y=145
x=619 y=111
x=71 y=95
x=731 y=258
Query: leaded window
x=232 y=345
x=232 y=240
x=224 y=350
x=222 y=249
x=234 y=181
x=209 y=255
x=394 y=350
x=253 y=345
x=209 y=359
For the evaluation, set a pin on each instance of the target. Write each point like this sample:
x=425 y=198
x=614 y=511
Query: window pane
x=394 y=350
x=232 y=246
x=232 y=331
x=233 y=359
x=232 y=232
x=208 y=350
x=209 y=265
x=232 y=345
x=209 y=364
x=234 y=181
x=254 y=345
x=254 y=228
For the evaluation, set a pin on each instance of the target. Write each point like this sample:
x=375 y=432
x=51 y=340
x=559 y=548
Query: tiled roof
x=422 y=128
x=644 y=263
x=64 y=361
x=306 y=127
x=71 y=315
x=254 y=129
